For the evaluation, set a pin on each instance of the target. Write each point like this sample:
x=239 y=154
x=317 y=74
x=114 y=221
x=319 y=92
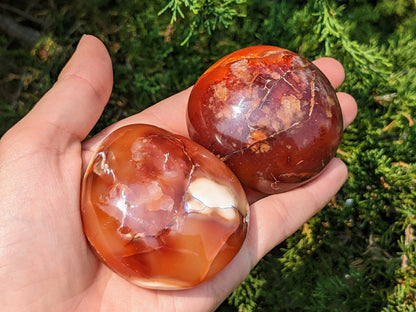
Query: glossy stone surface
x=160 y=210
x=270 y=114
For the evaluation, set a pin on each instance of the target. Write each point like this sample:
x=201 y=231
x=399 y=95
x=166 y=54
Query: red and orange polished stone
x=160 y=210
x=164 y=212
x=270 y=114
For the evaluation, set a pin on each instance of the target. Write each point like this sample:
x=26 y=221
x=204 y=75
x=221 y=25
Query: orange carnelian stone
x=271 y=115
x=160 y=210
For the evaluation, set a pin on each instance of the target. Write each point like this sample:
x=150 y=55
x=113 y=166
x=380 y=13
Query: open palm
x=45 y=261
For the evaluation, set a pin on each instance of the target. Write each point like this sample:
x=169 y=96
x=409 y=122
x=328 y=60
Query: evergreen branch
x=175 y=7
x=369 y=58
x=204 y=14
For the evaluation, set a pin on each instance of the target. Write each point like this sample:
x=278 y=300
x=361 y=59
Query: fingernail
x=78 y=43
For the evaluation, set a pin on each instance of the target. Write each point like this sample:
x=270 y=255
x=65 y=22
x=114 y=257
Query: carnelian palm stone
x=160 y=210
x=270 y=114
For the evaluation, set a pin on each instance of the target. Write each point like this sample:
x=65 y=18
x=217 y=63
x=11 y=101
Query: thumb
x=75 y=102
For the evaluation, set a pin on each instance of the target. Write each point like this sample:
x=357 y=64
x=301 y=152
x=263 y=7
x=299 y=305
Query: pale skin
x=45 y=261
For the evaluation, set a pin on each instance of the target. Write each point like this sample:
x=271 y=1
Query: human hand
x=45 y=261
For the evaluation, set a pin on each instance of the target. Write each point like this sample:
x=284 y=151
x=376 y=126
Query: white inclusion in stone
x=166 y=157
x=101 y=166
x=204 y=195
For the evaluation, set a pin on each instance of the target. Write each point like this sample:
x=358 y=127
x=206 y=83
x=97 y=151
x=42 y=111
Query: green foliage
x=365 y=60
x=357 y=254
x=205 y=14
